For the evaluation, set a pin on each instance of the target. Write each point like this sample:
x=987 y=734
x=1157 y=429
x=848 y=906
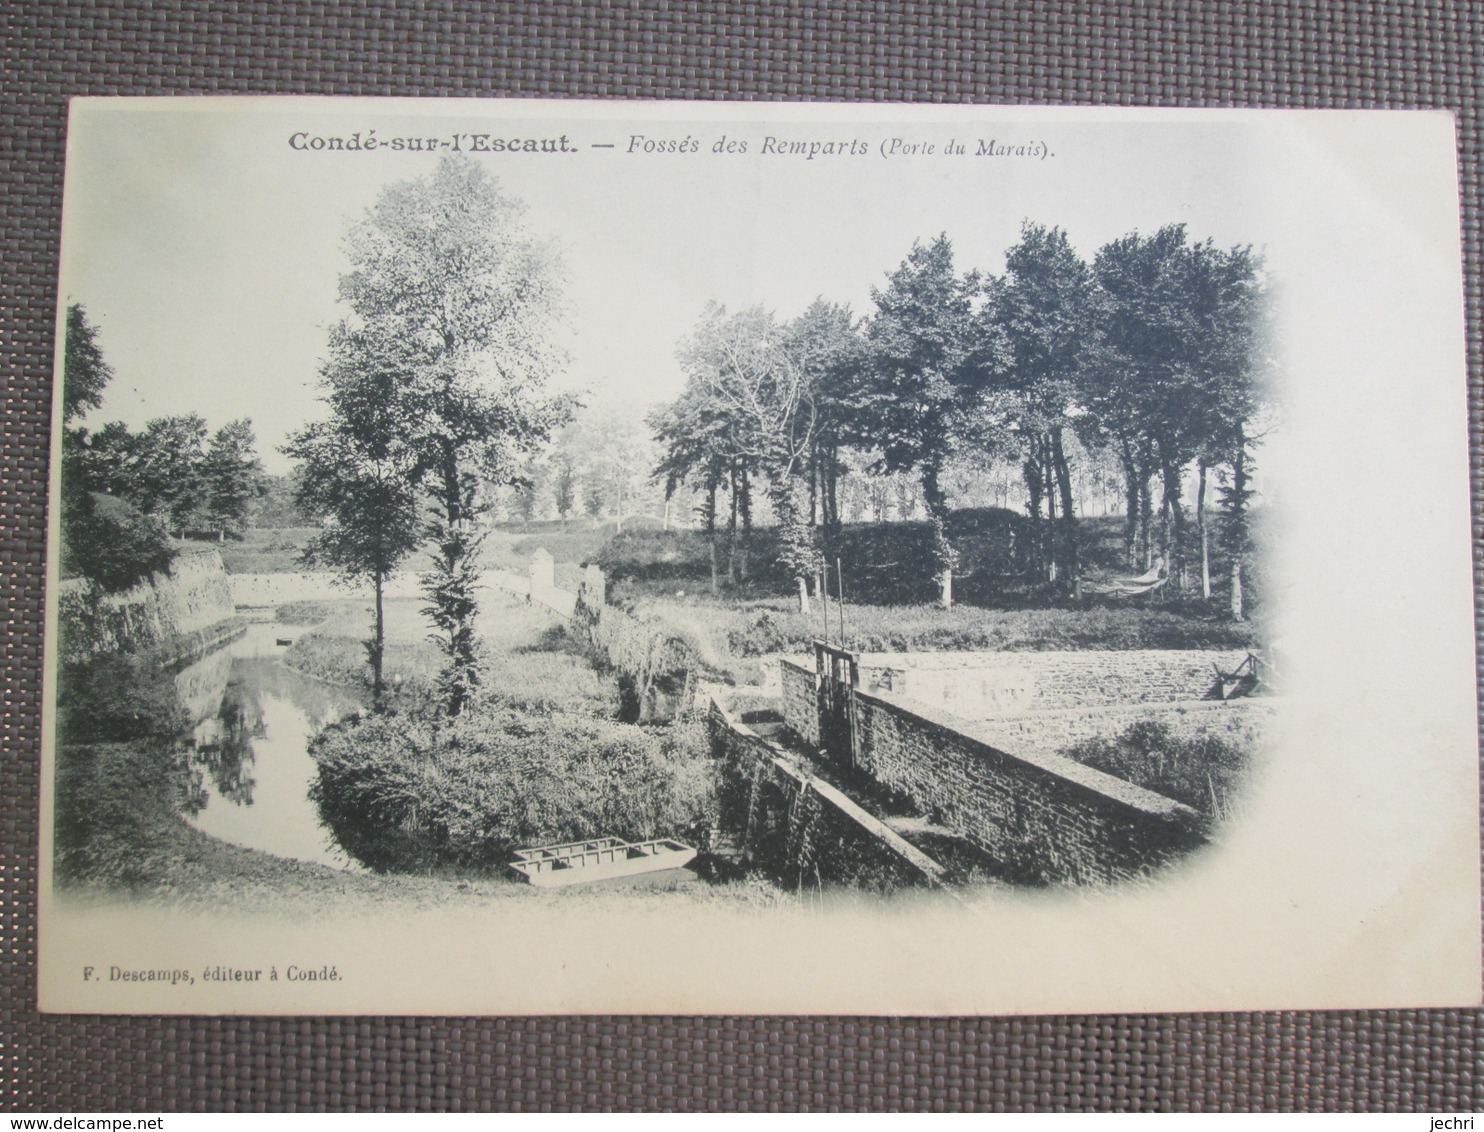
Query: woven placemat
x=1176 y=53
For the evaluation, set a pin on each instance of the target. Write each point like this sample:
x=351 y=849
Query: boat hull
x=556 y=866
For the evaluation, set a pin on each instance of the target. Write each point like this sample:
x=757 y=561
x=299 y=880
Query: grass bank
x=530 y=663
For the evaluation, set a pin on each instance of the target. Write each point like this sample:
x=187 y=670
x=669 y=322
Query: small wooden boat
x=284 y=642
x=600 y=859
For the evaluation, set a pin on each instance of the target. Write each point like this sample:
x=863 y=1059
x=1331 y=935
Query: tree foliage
x=920 y=389
x=1119 y=374
x=85 y=372
x=444 y=273
x=354 y=475
x=105 y=537
x=234 y=478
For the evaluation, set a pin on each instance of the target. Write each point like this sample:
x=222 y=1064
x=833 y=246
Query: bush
x=112 y=543
x=405 y=792
x=1201 y=769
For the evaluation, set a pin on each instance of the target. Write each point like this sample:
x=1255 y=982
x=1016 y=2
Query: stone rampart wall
x=1044 y=817
x=1049 y=732
x=1002 y=786
x=800 y=702
x=176 y=615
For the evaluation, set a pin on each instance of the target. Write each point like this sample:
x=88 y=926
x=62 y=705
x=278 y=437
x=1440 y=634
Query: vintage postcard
x=522 y=557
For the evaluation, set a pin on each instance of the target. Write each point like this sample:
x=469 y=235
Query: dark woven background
x=1178 y=53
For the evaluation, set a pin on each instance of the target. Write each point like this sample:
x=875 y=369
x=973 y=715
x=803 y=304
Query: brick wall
x=1045 y=818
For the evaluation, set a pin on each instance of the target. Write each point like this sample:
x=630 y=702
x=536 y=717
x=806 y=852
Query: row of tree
x=598 y=466
x=123 y=491
x=1155 y=355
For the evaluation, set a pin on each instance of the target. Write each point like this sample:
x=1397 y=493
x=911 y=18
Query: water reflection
x=250 y=769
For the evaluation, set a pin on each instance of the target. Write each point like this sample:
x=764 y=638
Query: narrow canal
x=250 y=766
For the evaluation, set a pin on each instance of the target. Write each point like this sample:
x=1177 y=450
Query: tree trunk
x=710 y=521
x=1175 y=564
x=744 y=504
x=1068 y=540
x=1146 y=514
x=1200 y=522
x=814 y=488
x=732 y=529
x=1131 y=504
x=1049 y=491
x=451 y=594
x=1032 y=471
x=943 y=554
x=803 y=594
x=378 y=643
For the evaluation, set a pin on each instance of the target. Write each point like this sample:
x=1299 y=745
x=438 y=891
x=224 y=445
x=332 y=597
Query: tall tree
x=698 y=447
x=1180 y=380
x=1041 y=311
x=105 y=538
x=234 y=477
x=830 y=354
x=85 y=372
x=445 y=265
x=1240 y=360
x=1140 y=388
x=612 y=446
x=919 y=388
x=167 y=471
x=744 y=366
x=354 y=474
x=564 y=486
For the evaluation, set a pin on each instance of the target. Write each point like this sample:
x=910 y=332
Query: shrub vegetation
x=414 y=792
x=1193 y=765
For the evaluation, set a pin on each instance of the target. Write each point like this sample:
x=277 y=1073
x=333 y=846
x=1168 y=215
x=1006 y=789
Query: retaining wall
x=1046 y=818
x=254 y=591
x=175 y=616
x=1001 y=785
x=1052 y=731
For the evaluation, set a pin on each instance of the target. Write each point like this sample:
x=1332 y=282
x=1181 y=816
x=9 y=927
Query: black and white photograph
x=537 y=556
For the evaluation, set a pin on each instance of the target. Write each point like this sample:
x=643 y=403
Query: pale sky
x=208 y=250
